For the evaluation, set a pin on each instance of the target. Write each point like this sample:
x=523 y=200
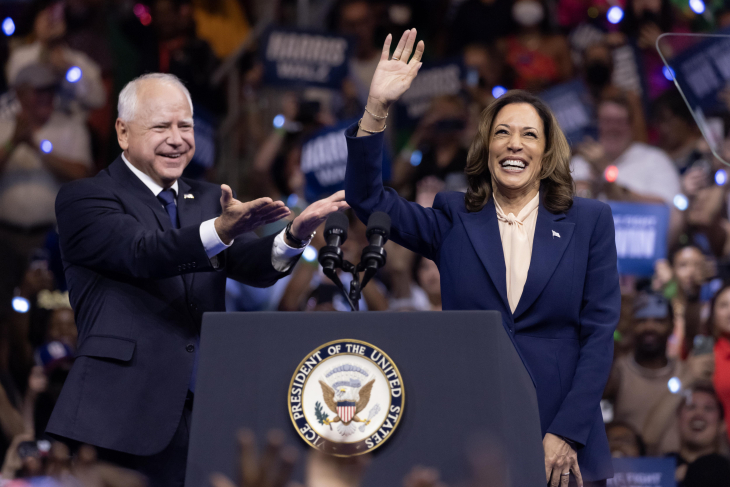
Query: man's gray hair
x=127 y=105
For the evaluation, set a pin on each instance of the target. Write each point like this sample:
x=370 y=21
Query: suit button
x=190 y=348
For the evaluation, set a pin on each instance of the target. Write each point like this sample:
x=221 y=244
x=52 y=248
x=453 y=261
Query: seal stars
x=346 y=398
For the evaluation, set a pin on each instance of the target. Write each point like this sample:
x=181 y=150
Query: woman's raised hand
x=394 y=76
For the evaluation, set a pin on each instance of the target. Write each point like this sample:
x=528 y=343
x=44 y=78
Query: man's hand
x=560 y=459
x=238 y=217
x=315 y=214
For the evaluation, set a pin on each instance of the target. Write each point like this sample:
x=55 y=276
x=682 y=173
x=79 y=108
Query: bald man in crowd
x=146 y=253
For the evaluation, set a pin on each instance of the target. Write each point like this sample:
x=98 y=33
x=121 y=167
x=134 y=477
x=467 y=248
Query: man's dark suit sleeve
x=96 y=232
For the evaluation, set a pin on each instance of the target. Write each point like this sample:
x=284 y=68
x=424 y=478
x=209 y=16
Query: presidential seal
x=346 y=398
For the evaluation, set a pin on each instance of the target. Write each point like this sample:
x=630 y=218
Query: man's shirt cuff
x=212 y=243
x=283 y=256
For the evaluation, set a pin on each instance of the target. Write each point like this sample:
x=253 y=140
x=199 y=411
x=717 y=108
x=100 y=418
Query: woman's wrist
x=377 y=107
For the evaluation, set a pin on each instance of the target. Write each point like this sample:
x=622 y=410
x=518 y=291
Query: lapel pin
x=188 y=196
x=555 y=234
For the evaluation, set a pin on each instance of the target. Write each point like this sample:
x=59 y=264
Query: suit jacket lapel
x=483 y=231
x=547 y=250
x=131 y=183
x=188 y=209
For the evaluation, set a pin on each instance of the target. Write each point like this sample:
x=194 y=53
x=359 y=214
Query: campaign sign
x=641 y=236
x=433 y=80
x=703 y=70
x=324 y=161
x=571 y=104
x=643 y=472
x=298 y=57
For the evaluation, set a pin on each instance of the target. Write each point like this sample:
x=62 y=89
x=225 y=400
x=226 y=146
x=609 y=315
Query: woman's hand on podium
x=560 y=460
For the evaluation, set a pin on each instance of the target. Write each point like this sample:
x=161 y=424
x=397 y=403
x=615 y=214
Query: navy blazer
x=139 y=288
x=564 y=322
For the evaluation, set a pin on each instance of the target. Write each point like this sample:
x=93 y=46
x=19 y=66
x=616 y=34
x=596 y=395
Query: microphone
x=374 y=255
x=335 y=234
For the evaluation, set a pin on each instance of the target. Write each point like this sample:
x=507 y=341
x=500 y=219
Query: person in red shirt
x=719 y=325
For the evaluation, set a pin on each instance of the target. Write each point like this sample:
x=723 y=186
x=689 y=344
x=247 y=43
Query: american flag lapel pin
x=556 y=234
x=191 y=197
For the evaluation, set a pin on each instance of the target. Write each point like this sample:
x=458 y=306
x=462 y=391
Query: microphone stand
x=356 y=287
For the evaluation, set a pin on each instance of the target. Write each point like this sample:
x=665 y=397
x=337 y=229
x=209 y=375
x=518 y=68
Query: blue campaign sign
x=436 y=79
x=641 y=236
x=296 y=57
x=643 y=472
x=571 y=104
x=324 y=160
x=703 y=70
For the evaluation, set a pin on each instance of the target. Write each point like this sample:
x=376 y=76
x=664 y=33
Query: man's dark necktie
x=167 y=198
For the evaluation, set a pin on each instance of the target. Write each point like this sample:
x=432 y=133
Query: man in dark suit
x=146 y=253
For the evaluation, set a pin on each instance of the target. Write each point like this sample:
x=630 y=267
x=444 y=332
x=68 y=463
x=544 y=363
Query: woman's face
x=722 y=313
x=516 y=147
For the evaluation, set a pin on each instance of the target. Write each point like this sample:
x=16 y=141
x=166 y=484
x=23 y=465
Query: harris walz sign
x=295 y=57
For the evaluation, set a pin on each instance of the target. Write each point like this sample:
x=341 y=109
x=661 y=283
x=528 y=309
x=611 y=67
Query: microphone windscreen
x=338 y=223
x=380 y=222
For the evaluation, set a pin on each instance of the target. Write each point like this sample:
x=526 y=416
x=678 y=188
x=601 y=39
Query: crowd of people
x=65 y=62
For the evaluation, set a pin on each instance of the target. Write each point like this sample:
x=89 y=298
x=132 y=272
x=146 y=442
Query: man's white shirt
x=282 y=255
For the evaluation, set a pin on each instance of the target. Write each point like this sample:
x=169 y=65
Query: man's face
x=159 y=141
x=651 y=334
x=699 y=421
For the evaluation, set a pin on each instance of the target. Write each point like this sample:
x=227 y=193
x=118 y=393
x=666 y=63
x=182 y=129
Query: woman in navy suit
x=519 y=242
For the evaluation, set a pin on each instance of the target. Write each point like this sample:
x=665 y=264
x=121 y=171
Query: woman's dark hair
x=557 y=182
x=711 y=319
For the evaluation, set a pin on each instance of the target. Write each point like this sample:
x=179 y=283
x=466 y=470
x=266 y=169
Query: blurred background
x=274 y=85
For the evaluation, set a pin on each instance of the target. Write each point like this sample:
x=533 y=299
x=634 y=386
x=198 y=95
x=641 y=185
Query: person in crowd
x=701 y=427
x=519 y=201
x=719 y=329
x=140 y=232
x=435 y=150
x=40 y=149
x=624 y=441
x=645 y=173
x=683 y=280
x=222 y=23
x=429 y=279
x=678 y=132
x=357 y=19
x=83 y=89
x=486 y=69
x=644 y=21
x=538 y=57
x=597 y=72
x=181 y=53
x=639 y=380
x=480 y=21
